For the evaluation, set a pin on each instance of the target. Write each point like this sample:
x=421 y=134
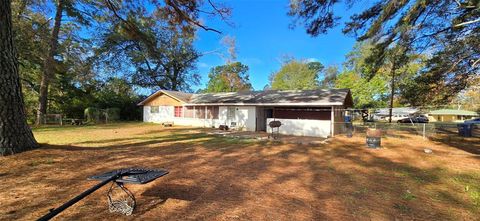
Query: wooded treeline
x=75 y=54
x=62 y=56
x=440 y=38
x=408 y=53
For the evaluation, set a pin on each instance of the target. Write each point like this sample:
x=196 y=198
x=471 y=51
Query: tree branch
x=188 y=18
x=475 y=63
x=467 y=23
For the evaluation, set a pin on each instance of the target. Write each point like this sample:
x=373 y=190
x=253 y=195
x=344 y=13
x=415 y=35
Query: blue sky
x=262 y=33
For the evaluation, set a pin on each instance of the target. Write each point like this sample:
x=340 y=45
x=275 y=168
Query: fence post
x=424 y=131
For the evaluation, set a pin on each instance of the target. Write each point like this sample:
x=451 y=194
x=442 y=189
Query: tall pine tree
x=15 y=135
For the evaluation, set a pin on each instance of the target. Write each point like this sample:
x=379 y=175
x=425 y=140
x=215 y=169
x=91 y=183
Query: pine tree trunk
x=48 y=66
x=15 y=134
x=392 y=93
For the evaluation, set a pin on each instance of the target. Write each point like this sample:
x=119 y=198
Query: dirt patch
x=222 y=178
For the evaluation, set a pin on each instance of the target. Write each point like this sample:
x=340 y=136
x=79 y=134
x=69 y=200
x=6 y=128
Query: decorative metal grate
x=120 y=199
x=132 y=175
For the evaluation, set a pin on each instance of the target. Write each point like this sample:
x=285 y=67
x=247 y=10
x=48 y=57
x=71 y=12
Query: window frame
x=200 y=112
x=178 y=111
x=213 y=112
x=231 y=113
x=152 y=108
x=189 y=112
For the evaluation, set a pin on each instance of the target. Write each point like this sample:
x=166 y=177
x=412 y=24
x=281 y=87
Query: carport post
x=332 y=120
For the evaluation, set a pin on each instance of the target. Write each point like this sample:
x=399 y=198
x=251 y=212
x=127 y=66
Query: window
x=212 y=112
x=178 y=111
x=200 y=112
x=154 y=110
x=189 y=112
x=231 y=113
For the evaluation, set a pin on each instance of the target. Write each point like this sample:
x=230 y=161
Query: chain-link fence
x=425 y=130
x=96 y=115
x=52 y=119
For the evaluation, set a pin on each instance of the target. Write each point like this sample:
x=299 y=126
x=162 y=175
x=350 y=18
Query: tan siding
x=163 y=100
x=448 y=118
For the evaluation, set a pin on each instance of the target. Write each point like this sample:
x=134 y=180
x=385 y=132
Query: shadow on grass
x=67 y=127
x=226 y=178
x=451 y=138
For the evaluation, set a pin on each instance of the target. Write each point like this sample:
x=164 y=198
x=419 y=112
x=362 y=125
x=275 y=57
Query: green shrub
x=113 y=114
x=92 y=114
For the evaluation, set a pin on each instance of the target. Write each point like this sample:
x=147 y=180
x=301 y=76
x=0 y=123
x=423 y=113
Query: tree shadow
x=451 y=138
x=215 y=178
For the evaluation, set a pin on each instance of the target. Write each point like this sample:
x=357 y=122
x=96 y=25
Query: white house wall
x=165 y=113
x=314 y=128
x=196 y=122
x=244 y=117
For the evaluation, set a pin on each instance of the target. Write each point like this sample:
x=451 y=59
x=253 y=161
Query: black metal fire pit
x=275 y=124
x=120 y=199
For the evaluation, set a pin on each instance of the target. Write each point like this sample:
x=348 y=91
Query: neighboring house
x=302 y=112
x=398 y=113
x=451 y=115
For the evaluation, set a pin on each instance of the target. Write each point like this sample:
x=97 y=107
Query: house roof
x=182 y=96
x=178 y=95
x=270 y=97
x=453 y=112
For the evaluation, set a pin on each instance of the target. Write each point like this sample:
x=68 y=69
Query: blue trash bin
x=461 y=129
x=468 y=130
x=348 y=126
x=465 y=130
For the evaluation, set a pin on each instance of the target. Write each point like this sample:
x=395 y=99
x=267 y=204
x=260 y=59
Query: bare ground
x=219 y=178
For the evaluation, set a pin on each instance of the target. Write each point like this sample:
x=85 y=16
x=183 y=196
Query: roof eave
x=266 y=104
x=156 y=93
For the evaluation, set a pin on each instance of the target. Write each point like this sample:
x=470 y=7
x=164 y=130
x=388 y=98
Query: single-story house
x=451 y=115
x=302 y=112
x=397 y=113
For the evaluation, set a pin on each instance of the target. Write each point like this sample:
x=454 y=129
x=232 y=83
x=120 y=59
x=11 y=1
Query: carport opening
x=303 y=113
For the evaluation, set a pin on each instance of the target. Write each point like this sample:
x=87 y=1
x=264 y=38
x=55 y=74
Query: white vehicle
x=397 y=117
